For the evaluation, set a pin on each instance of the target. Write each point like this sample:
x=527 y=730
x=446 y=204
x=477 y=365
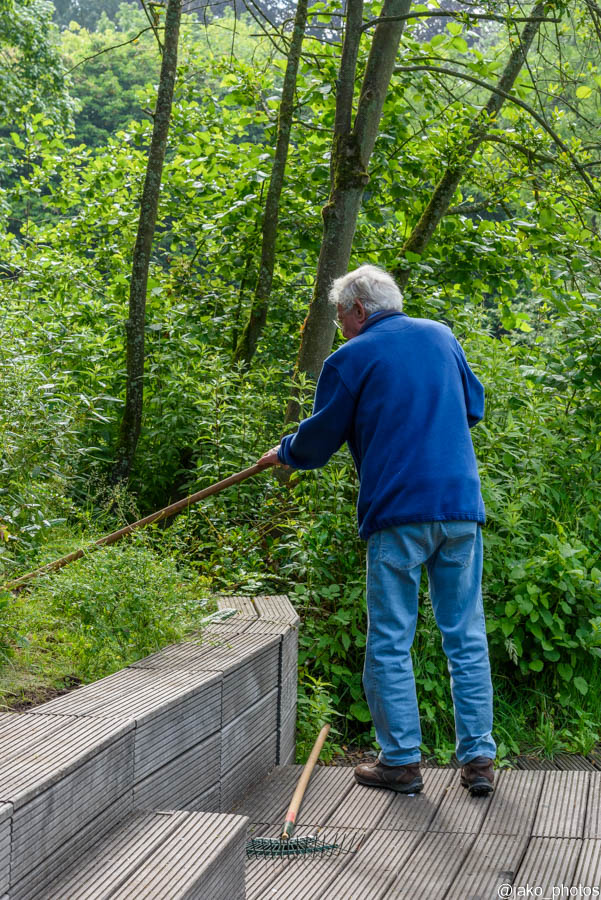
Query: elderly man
x=401 y=394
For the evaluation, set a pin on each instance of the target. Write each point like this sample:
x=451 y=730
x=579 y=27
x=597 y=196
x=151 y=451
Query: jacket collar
x=377 y=317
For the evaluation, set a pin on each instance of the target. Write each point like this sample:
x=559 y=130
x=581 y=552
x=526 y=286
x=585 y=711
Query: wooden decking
x=539 y=832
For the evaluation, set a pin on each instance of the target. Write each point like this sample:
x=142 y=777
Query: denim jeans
x=452 y=554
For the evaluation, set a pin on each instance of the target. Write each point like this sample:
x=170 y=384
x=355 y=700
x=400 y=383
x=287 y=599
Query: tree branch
x=153 y=24
x=345 y=87
x=257 y=13
x=106 y=50
x=529 y=109
x=467 y=208
x=522 y=148
x=457 y=14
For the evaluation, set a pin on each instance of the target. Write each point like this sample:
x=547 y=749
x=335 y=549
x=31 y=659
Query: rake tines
x=286 y=845
x=311 y=845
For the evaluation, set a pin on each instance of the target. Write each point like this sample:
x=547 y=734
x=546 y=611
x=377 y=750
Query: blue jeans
x=452 y=554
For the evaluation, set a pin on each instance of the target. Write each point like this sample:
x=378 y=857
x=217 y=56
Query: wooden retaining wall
x=132 y=777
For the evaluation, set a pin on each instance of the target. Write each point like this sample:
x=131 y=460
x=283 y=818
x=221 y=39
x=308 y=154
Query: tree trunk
x=132 y=415
x=351 y=152
x=249 y=338
x=446 y=187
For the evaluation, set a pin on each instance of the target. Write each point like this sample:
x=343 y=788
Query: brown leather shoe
x=403 y=779
x=478 y=776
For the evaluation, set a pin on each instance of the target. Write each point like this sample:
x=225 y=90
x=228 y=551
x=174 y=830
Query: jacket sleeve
x=321 y=435
x=472 y=388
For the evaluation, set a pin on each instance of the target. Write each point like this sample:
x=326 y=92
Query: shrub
x=106 y=610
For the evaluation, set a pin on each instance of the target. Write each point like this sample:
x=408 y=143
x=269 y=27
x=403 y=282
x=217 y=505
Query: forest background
x=489 y=217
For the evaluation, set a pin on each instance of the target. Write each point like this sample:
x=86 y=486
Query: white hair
x=374 y=287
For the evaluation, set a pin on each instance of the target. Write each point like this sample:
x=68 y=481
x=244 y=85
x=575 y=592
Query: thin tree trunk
x=351 y=152
x=253 y=329
x=445 y=189
x=132 y=415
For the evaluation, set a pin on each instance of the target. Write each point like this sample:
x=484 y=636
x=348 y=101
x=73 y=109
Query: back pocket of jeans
x=405 y=546
x=458 y=548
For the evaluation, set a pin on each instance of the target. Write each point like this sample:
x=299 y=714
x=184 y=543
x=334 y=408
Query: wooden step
x=150 y=856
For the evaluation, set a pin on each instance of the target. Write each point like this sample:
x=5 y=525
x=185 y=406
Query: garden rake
x=287 y=845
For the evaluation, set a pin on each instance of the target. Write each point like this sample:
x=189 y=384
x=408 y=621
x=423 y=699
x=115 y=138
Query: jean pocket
x=405 y=546
x=460 y=541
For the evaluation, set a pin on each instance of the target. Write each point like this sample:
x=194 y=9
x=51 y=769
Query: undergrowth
x=542 y=577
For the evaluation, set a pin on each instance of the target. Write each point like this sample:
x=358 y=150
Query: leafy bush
x=102 y=612
x=314 y=710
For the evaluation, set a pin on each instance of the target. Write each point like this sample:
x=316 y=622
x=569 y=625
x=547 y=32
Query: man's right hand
x=270 y=458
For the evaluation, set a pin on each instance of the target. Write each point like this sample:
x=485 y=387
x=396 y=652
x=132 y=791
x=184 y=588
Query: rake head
x=312 y=845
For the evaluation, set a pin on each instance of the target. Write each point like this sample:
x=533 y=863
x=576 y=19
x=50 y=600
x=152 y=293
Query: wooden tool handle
x=154 y=517
x=303 y=781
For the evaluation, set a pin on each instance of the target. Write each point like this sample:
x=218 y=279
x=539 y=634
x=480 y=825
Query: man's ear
x=361 y=314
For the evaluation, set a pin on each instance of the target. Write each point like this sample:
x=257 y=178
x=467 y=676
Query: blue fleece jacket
x=403 y=397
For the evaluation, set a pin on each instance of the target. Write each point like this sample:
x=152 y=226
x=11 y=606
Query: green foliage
x=39 y=440
x=107 y=84
x=31 y=70
x=542 y=546
x=86 y=13
x=97 y=615
x=115 y=63
x=514 y=268
x=9 y=636
x=314 y=710
x=121 y=605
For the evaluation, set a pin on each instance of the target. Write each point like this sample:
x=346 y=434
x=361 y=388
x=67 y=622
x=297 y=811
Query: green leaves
x=565 y=671
x=459 y=44
x=360 y=711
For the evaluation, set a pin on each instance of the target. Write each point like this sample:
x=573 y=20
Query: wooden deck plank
x=407 y=813
x=493 y=860
x=371 y=870
x=532 y=762
x=142 y=858
x=548 y=863
x=459 y=812
x=141 y=695
x=430 y=870
x=569 y=762
x=211 y=653
x=303 y=878
x=36 y=752
x=362 y=807
x=562 y=807
x=588 y=869
x=276 y=608
x=514 y=804
x=245 y=606
x=595 y=756
x=253 y=725
x=182 y=779
x=592 y=823
x=37 y=879
x=327 y=789
x=441 y=844
x=269 y=799
x=248 y=681
x=249 y=770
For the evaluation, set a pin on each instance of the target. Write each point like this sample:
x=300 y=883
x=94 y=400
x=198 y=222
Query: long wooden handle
x=155 y=517
x=303 y=781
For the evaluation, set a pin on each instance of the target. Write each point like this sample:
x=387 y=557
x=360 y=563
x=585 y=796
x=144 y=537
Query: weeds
x=100 y=614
